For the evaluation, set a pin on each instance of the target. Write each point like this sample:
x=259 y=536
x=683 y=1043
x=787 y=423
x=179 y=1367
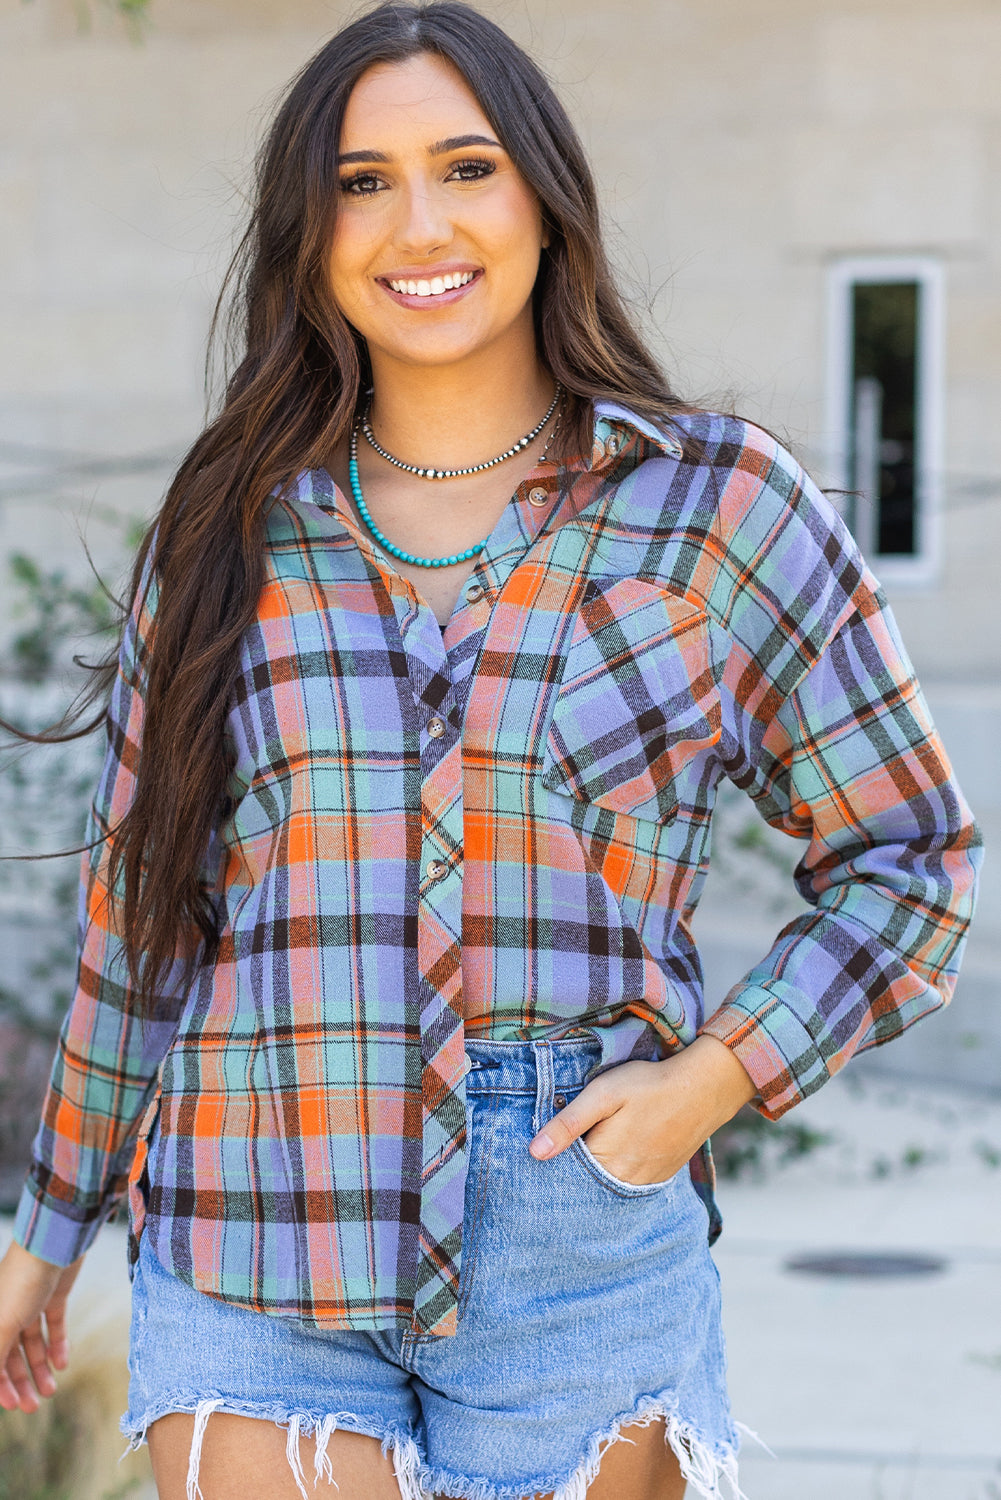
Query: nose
x=425 y=225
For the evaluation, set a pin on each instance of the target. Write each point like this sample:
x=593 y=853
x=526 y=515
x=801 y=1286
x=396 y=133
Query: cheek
x=348 y=257
x=519 y=233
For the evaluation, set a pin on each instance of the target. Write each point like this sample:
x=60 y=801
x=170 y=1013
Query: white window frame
x=922 y=567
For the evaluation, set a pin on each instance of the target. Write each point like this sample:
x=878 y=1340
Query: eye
x=470 y=171
x=361 y=185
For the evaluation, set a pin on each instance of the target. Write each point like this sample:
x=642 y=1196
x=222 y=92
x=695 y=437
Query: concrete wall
x=741 y=148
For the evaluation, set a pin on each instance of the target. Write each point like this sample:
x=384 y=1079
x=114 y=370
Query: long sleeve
x=851 y=763
x=106 y=1063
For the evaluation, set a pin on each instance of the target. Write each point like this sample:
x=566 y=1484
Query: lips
x=429 y=291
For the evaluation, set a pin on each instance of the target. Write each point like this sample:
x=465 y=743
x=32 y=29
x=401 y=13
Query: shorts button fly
x=560 y=1101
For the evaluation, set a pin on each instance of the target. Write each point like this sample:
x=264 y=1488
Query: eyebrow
x=436 y=148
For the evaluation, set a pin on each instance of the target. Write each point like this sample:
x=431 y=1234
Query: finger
x=36 y=1357
x=8 y=1395
x=17 y=1370
x=592 y=1104
x=56 y=1335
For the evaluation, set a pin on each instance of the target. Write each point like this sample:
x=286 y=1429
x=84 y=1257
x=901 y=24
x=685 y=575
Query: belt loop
x=544 y=1082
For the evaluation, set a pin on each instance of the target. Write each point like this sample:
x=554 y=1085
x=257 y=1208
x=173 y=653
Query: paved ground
x=872 y=1389
x=865 y=1390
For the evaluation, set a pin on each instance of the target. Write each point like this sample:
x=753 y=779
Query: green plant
x=132 y=12
x=46 y=787
x=749 y=1143
x=33 y=1470
x=44 y=793
x=69 y=1449
x=989 y=1153
x=57 y=612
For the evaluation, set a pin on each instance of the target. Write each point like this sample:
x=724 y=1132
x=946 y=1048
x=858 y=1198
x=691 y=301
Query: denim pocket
x=616 y=1185
x=586 y=1158
x=638 y=702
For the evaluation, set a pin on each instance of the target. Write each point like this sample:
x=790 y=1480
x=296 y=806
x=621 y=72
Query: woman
x=406 y=829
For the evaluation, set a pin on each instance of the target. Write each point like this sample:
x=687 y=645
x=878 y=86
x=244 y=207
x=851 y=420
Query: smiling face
x=437 y=239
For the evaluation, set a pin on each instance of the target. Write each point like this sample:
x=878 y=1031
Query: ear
x=547 y=235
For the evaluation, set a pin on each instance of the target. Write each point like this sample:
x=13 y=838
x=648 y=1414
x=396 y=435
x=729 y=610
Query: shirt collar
x=616 y=426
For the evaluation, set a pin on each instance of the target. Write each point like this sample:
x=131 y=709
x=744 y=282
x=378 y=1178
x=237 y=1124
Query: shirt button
x=436 y=727
x=435 y=869
x=474 y=593
x=538 y=496
x=612 y=446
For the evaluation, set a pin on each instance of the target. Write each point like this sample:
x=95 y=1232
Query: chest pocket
x=638 y=700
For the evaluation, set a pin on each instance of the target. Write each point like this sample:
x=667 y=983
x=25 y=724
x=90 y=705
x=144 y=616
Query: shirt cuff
x=770 y=1041
x=48 y=1231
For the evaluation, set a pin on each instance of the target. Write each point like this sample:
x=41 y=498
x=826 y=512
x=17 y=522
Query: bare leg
x=243 y=1458
x=645 y=1468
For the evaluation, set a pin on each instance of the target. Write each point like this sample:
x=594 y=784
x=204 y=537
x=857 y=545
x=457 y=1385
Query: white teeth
x=435 y=286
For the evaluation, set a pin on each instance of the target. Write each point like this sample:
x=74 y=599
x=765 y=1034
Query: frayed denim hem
x=406 y=1454
x=705 y=1466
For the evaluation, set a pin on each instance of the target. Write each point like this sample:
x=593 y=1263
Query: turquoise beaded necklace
x=383 y=539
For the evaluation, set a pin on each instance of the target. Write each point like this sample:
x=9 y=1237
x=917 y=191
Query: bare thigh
x=243 y=1458
x=644 y=1468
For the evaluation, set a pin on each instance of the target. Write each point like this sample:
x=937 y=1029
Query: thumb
x=592 y=1104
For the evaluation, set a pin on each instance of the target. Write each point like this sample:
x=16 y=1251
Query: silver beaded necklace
x=411 y=557
x=431 y=473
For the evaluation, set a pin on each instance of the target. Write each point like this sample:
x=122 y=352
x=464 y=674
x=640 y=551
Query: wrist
x=714 y=1077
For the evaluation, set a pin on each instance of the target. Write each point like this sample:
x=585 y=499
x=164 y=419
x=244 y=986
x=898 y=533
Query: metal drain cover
x=866 y=1265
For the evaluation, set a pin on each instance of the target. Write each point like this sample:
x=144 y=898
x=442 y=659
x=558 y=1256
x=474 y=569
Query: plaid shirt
x=502 y=828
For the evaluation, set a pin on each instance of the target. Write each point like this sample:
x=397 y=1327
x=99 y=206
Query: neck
x=458 y=415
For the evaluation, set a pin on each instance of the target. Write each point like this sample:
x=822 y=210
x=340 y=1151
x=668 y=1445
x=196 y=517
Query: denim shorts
x=586 y=1304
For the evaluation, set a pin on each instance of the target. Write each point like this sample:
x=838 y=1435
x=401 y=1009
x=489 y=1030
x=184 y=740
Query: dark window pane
x=884 y=413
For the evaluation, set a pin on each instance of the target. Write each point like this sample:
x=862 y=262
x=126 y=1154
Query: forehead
x=423 y=97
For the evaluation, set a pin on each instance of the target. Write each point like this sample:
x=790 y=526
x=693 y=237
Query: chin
x=433 y=352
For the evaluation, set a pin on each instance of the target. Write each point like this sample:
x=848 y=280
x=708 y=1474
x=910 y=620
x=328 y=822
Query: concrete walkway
x=871 y=1389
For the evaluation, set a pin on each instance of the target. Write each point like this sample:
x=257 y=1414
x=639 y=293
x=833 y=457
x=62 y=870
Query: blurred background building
x=804 y=198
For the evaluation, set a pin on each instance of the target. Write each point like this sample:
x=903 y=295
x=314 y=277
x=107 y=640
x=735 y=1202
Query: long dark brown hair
x=300 y=369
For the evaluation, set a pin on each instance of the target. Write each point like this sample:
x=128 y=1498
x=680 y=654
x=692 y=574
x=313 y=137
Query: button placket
x=439 y=945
